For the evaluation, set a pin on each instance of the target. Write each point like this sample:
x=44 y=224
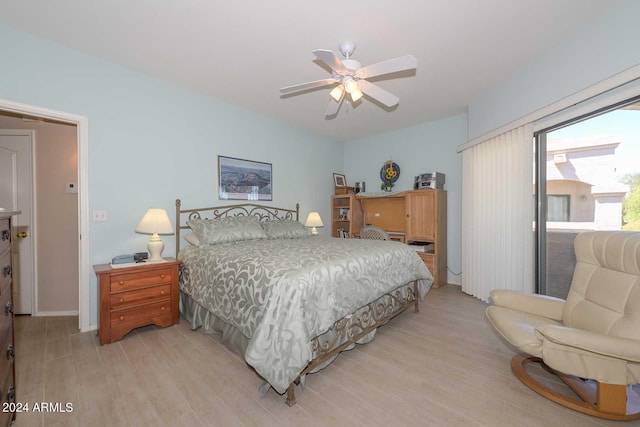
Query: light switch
x=71 y=187
x=99 y=216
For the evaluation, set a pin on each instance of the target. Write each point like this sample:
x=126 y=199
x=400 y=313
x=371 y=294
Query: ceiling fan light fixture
x=350 y=85
x=355 y=95
x=336 y=93
x=349 y=76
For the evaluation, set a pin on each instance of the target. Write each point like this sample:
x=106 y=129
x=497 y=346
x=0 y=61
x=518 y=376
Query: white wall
x=151 y=142
x=430 y=147
x=604 y=49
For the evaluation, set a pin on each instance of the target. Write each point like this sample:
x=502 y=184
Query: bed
x=286 y=300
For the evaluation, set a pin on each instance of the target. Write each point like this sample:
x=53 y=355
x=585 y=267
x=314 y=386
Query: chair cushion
x=605 y=290
x=519 y=328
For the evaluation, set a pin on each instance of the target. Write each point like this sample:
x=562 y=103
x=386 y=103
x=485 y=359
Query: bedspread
x=280 y=293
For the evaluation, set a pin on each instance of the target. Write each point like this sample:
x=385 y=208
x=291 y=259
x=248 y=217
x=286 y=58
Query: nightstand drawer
x=141 y=296
x=429 y=260
x=125 y=282
x=158 y=313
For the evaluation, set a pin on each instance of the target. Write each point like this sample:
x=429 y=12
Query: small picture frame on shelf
x=339 y=180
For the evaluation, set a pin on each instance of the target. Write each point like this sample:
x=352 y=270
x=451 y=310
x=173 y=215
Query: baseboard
x=55 y=313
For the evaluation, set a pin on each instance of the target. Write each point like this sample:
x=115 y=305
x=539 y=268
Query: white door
x=16 y=194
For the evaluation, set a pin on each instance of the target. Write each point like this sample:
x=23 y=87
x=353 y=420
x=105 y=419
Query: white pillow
x=192 y=239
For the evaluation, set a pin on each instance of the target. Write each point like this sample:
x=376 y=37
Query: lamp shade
x=350 y=85
x=155 y=221
x=313 y=220
x=356 y=95
x=336 y=93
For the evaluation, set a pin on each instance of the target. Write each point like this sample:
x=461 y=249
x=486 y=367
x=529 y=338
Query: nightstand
x=135 y=296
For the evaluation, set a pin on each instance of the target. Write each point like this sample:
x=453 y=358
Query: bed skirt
x=208 y=323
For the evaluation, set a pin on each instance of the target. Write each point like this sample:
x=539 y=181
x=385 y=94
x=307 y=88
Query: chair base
x=608 y=401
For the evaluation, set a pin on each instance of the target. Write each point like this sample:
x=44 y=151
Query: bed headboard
x=264 y=213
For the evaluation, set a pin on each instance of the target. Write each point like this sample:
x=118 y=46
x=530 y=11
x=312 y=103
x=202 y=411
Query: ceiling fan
x=350 y=77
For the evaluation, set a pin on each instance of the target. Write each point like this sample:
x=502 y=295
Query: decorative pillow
x=212 y=231
x=192 y=239
x=285 y=229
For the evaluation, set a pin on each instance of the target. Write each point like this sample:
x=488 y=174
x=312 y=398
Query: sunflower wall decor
x=389 y=174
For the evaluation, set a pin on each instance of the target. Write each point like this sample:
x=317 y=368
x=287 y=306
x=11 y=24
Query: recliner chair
x=592 y=340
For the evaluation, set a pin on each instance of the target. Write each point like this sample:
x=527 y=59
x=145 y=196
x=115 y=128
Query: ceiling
x=243 y=52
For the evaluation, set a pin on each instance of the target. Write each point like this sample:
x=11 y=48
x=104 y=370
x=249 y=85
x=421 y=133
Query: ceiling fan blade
x=308 y=85
x=402 y=63
x=330 y=59
x=377 y=93
x=333 y=107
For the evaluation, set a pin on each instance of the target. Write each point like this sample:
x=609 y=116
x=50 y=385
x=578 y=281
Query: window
x=558 y=207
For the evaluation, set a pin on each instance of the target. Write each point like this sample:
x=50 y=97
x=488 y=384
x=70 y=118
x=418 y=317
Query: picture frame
x=339 y=180
x=241 y=179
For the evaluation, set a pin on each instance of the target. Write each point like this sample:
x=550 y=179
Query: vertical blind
x=498 y=214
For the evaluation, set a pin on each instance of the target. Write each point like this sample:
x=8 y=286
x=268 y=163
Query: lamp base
x=314 y=230
x=155 y=247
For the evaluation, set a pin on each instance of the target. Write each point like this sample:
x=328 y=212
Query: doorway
x=16 y=194
x=79 y=125
x=48 y=281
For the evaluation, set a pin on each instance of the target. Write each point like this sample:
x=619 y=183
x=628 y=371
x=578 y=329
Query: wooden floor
x=441 y=367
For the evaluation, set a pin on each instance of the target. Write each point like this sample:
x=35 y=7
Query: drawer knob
x=8 y=309
x=162 y=308
x=11 y=352
x=121 y=282
x=162 y=276
x=121 y=317
x=162 y=292
x=121 y=300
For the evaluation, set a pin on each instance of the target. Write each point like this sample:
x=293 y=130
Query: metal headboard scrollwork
x=263 y=213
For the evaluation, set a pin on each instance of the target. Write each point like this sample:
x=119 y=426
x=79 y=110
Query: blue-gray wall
x=429 y=147
x=603 y=49
x=151 y=142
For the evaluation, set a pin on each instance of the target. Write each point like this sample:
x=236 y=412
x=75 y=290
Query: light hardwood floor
x=441 y=367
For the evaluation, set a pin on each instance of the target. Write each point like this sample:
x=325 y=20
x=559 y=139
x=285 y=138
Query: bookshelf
x=346 y=216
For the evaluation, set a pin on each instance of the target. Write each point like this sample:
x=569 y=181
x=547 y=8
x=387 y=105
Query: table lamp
x=313 y=221
x=155 y=221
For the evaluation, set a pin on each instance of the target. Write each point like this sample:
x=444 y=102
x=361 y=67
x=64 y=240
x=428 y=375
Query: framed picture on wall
x=240 y=179
x=340 y=180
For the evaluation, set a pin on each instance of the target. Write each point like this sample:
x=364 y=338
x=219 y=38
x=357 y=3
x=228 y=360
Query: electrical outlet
x=99 y=216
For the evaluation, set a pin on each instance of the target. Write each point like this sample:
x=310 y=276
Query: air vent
x=560 y=158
